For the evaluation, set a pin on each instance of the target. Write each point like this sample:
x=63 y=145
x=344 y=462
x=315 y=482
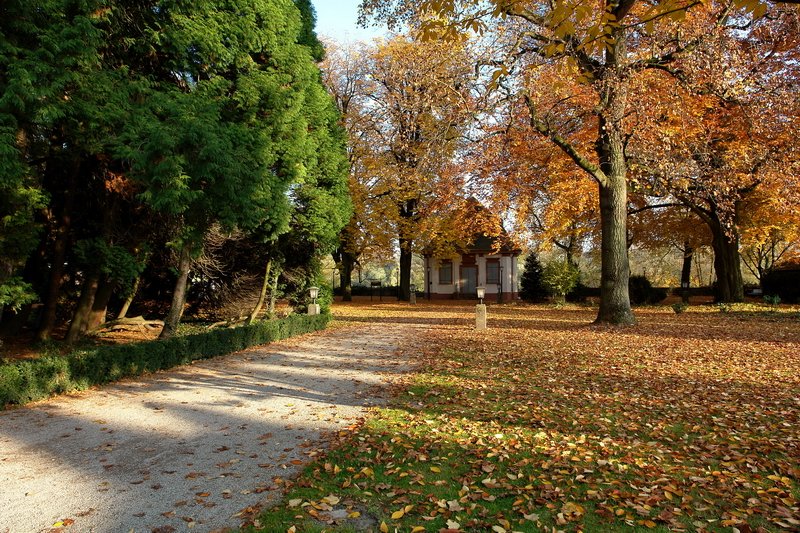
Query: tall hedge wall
x=28 y=380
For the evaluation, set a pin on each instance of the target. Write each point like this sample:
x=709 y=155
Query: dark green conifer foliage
x=531 y=287
x=245 y=119
x=308 y=36
x=48 y=56
x=205 y=113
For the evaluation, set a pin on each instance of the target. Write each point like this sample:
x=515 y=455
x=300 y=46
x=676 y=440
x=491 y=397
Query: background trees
x=722 y=138
x=406 y=105
x=577 y=74
x=132 y=134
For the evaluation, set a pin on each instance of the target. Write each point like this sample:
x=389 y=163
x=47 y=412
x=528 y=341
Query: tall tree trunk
x=84 y=307
x=178 y=295
x=123 y=312
x=727 y=263
x=686 y=271
x=97 y=315
x=405 y=269
x=346 y=275
x=262 y=297
x=408 y=216
x=345 y=262
x=273 y=293
x=615 y=305
x=56 y=278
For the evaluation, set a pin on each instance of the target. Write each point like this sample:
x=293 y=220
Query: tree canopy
x=574 y=78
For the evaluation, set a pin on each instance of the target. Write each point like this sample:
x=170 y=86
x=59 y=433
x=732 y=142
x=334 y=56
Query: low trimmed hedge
x=34 y=379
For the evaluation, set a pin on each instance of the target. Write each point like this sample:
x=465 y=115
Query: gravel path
x=189 y=449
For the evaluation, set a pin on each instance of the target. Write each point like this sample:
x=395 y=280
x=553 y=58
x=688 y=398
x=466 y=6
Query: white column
x=456 y=276
x=508 y=275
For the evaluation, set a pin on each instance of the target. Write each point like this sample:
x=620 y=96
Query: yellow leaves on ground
x=397 y=515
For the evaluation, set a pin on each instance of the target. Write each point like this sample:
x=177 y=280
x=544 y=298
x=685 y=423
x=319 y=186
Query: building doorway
x=469 y=281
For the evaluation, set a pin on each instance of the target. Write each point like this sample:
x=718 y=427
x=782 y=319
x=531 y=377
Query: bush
x=28 y=380
x=559 y=278
x=641 y=291
x=680 y=307
x=581 y=293
x=724 y=307
x=531 y=287
x=782 y=283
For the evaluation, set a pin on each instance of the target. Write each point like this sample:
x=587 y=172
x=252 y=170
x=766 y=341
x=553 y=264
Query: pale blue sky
x=337 y=19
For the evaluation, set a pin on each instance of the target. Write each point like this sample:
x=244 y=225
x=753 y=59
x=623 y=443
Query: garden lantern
x=480 y=309
x=313 y=308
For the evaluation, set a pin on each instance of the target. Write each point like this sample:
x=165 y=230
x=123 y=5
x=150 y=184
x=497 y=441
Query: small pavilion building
x=487 y=261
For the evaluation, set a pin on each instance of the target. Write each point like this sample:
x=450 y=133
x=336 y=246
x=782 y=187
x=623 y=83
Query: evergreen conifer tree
x=531 y=286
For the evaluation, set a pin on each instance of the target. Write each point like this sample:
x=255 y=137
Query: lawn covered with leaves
x=546 y=422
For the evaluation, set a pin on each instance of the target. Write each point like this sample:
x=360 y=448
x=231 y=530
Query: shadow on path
x=189 y=448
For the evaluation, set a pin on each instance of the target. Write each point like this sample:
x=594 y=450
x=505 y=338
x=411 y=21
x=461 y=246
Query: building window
x=446 y=273
x=492 y=272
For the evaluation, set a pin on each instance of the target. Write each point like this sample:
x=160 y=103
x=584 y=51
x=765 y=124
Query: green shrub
x=33 y=379
x=772 y=300
x=724 y=307
x=680 y=307
x=559 y=278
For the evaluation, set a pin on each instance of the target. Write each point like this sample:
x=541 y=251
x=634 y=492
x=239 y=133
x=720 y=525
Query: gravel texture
x=197 y=448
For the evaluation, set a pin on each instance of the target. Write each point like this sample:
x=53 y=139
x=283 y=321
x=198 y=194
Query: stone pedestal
x=413 y=298
x=313 y=309
x=480 y=316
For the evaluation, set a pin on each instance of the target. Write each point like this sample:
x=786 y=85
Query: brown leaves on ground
x=545 y=422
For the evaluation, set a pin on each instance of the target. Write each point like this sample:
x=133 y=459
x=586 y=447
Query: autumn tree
x=600 y=51
x=770 y=233
x=725 y=135
x=529 y=177
x=368 y=233
x=412 y=122
x=658 y=227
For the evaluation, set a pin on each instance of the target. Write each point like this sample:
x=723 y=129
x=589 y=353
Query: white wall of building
x=509 y=275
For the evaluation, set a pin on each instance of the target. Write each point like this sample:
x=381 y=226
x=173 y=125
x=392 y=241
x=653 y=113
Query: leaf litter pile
x=545 y=422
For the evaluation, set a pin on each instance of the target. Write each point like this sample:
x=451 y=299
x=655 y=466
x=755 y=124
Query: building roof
x=487 y=234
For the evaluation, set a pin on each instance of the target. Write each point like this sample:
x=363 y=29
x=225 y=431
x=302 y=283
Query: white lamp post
x=313 y=308
x=480 y=310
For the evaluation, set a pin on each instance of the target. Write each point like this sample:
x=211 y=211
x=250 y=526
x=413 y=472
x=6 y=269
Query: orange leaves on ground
x=684 y=422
